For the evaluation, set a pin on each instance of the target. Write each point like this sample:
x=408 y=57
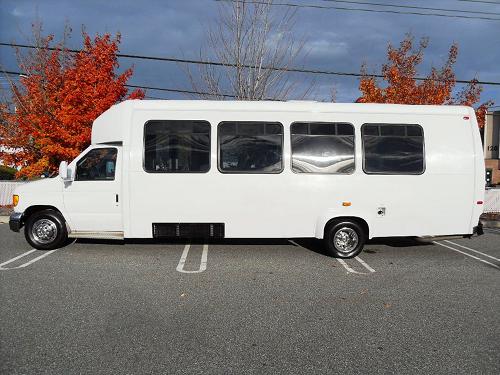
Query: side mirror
x=64 y=172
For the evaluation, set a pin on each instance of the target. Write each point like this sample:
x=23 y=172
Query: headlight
x=15 y=200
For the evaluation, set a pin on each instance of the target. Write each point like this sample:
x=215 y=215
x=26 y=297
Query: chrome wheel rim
x=345 y=240
x=44 y=231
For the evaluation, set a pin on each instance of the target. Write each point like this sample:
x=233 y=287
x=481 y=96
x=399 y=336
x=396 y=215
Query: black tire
x=352 y=232
x=46 y=230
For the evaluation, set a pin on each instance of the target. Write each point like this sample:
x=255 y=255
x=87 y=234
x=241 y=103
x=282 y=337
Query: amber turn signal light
x=15 y=200
x=346 y=204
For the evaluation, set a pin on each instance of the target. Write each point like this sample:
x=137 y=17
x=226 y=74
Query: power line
x=154 y=97
x=150 y=88
x=412 y=7
x=180 y=91
x=168 y=59
x=216 y=63
x=314 y=6
x=480 y=1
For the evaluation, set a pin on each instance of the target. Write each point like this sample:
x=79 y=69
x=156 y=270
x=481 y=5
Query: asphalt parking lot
x=250 y=306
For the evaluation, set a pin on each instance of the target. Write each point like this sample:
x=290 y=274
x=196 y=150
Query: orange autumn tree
x=402 y=86
x=50 y=114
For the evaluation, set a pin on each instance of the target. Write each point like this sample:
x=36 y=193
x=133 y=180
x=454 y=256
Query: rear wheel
x=46 y=230
x=345 y=239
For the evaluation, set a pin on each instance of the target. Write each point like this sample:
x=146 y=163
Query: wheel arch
x=37 y=208
x=359 y=220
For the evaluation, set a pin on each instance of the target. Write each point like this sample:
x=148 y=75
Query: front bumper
x=16 y=221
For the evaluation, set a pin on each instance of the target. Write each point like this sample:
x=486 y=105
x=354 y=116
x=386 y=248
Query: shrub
x=7 y=173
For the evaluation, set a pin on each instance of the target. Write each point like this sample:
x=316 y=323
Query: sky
x=336 y=40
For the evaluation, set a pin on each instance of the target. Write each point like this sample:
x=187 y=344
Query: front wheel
x=345 y=239
x=46 y=230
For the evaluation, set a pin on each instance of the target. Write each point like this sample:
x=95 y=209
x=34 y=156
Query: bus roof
x=109 y=126
x=291 y=106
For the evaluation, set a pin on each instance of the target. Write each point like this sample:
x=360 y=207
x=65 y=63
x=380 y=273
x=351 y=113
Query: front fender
x=46 y=192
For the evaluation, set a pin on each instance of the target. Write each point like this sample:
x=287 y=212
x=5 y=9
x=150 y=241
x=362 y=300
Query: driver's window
x=97 y=165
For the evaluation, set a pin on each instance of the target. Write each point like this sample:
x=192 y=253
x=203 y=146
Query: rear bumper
x=478 y=230
x=16 y=221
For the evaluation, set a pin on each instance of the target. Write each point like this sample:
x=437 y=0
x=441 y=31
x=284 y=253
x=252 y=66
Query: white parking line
x=344 y=263
x=2 y=268
x=476 y=251
x=351 y=270
x=364 y=264
x=467 y=254
x=16 y=258
x=182 y=261
x=346 y=266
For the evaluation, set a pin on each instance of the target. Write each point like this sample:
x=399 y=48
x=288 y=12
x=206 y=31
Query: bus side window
x=322 y=147
x=176 y=146
x=250 y=147
x=393 y=149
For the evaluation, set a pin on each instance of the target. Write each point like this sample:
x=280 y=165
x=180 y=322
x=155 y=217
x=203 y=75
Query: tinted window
x=393 y=148
x=370 y=130
x=322 y=147
x=97 y=165
x=250 y=147
x=177 y=146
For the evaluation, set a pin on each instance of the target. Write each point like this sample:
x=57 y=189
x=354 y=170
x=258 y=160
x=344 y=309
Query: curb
x=4 y=219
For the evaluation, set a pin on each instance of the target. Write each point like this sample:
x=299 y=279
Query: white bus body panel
x=440 y=201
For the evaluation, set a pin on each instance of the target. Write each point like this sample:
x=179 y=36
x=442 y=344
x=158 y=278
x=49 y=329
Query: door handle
x=116 y=198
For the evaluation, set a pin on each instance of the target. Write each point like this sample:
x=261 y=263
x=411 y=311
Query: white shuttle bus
x=344 y=173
